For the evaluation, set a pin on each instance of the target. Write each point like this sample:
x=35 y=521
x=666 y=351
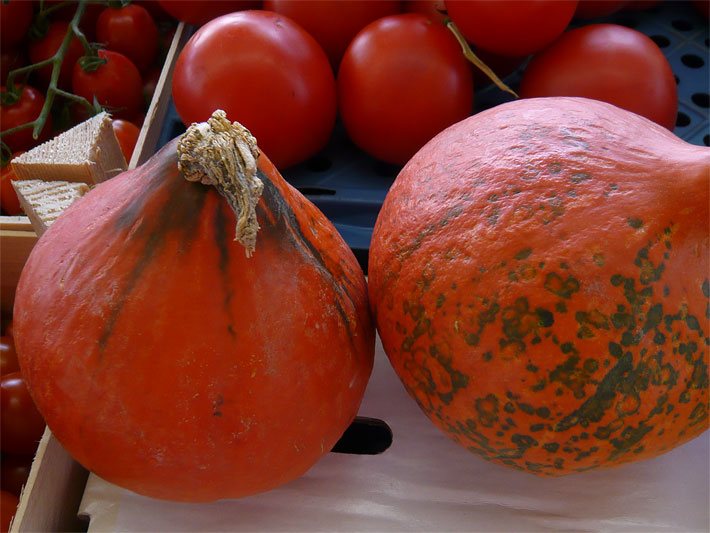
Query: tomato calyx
x=10 y=95
x=91 y=63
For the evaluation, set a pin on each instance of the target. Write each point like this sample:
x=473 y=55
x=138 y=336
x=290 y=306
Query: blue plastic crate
x=349 y=186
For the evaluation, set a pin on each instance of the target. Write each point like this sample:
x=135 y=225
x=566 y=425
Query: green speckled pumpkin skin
x=539 y=279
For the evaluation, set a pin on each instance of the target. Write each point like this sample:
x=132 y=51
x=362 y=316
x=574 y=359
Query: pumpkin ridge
x=184 y=216
x=160 y=169
x=430 y=232
x=286 y=224
x=222 y=242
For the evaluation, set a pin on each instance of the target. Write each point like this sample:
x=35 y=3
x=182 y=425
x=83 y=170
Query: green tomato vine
x=16 y=79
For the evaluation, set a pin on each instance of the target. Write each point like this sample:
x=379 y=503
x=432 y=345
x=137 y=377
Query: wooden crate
x=50 y=499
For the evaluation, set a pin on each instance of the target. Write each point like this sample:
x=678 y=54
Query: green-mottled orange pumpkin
x=539 y=278
x=167 y=361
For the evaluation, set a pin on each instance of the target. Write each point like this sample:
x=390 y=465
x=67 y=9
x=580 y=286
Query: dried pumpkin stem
x=224 y=154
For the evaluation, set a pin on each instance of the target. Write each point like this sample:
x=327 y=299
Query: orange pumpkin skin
x=167 y=362
x=539 y=278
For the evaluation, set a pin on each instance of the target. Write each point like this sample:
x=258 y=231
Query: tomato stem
x=89 y=49
x=81 y=100
x=473 y=58
x=24 y=126
x=26 y=69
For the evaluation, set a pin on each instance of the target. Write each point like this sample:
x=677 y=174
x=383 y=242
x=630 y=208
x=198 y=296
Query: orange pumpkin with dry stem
x=166 y=359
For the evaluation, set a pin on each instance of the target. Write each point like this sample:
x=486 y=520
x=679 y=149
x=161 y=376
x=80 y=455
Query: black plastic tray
x=349 y=186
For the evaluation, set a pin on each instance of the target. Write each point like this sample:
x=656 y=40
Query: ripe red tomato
x=26 y=109
x=117 y=84
x=8 y=507
x=127 y=135
x=275 y=79
x=589 y=9
x=606 y=62
x=131 y=31
x=198 y=12
x=402 y=80
x=512 y=28
x=15 y=20
x=8 y=356
x=21 y=423
x=8 y=197
x=46 y=46
x=14 y=471
x=334 y=23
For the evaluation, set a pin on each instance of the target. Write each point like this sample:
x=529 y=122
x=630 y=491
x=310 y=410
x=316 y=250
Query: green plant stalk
x=473 y=58
x=52 y=90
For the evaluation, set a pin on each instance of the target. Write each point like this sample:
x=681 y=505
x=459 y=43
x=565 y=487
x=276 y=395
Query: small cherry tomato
x=46 y=46
x=199 y=12
x=127 y=135
x=512 y=28
x=606 y=62
x=8 y=197
x=15 y=20
x=276 y=80
x=117 y=84
x=14 y=471
x=334 y=23
x=8 y=356
x=402 y=80
x=21 y=423
x=26 y=109
x=131 y=31
x=8 y=508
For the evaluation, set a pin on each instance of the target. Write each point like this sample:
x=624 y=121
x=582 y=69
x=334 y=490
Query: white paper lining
x=425 y=482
